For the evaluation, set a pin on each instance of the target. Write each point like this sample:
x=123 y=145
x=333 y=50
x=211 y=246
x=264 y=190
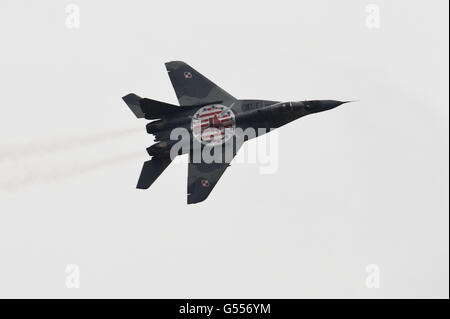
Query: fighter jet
x=215 y=123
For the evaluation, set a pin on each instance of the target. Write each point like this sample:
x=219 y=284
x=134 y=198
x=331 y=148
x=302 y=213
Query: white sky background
x=364 y=184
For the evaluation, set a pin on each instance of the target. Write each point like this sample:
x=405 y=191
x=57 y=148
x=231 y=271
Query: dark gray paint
x=193 y=91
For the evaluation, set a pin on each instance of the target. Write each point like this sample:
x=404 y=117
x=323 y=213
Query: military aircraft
x=213 y=120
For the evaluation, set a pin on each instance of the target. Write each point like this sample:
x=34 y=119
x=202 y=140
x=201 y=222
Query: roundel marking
x=213 y=124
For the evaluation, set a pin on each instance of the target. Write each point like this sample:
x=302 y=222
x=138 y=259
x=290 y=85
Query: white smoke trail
x=57 y=174
x=23 y=162
x=34 y=148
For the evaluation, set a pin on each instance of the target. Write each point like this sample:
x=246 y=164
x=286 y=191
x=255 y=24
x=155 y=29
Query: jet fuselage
x=260 y=115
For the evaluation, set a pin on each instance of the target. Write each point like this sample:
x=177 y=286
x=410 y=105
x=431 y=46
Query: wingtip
x=172 y=65
x=191 y=200
x=195 y=199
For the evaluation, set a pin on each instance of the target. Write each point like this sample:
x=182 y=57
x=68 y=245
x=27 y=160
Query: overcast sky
x=364 y=184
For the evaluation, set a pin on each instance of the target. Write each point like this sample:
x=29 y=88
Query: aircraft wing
x=192 y=88
x=202 y=177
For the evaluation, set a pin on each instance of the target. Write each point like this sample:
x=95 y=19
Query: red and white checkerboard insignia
x=205 y=183
x=213 y=124
x=187 y=75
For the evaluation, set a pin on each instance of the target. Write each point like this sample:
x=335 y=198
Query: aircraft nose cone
x=316 y=106
x=331 y=104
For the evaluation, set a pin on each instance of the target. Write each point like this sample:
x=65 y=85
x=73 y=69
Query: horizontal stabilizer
x=155 y=109
x=148 y=108
x=132 y=101
x=151 y=171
